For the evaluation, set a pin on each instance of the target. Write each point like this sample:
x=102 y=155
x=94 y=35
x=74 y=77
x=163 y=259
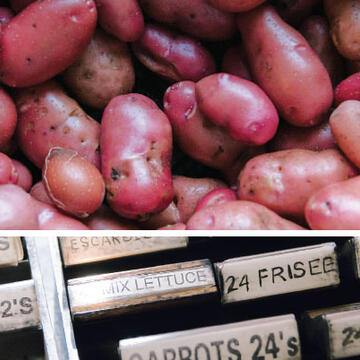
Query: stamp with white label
x=18 y=306
x=260 y=339
x=280 y=272
x=340 y=327
x=11 y=251
x=114 y=293
x=87 y=249
x=353 y=253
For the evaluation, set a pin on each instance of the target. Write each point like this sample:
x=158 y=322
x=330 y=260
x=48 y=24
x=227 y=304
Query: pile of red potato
x=110 y=108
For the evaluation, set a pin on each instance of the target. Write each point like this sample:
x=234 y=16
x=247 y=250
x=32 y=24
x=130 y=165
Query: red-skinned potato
x=348 y=89
x=316 y=31
x=196 y=135
x=194 y=17
x=8 y=172
x=234 y=62
x=61 y=29
x=48 y=218
x=16 y=209
x=316 y=138
x=123 y=19
x=74 y=184
x=18 y=5
x=239 y=215
x=216 y=197
x=188 y=191
x=345 y=26
x=8 y=118
x=345 y=126
x=103 y=71
x=236 y=5
x=335 y=207
x=240 y=106
x=285 y=67
x=284 y=180
x=39 y=193
x=173 y=56
x=105 y=219
x=136 y=150
x=49 y=118
x=24 y=175
x=294 y=11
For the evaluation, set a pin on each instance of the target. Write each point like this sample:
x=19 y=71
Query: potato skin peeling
x=72 y=183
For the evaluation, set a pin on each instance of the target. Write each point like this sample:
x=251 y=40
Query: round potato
x=103 y=71
x=73 y=184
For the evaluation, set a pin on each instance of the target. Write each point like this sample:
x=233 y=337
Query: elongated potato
x=8 y=118
x=239 y=215
x=48 y=118
x=16 y=209
x=173 y=56
x=345 y=126
x=194 y=17
x=285 y=67
x=345 y=26
x=196 y=135
x=73 y=184
x=283 y=181
x=316 y=138
x=335 y=207
x=315 y=30
x=238 y=105
x=60 y=29
x=123 y=19
x=136 y=150
x=103 y=71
